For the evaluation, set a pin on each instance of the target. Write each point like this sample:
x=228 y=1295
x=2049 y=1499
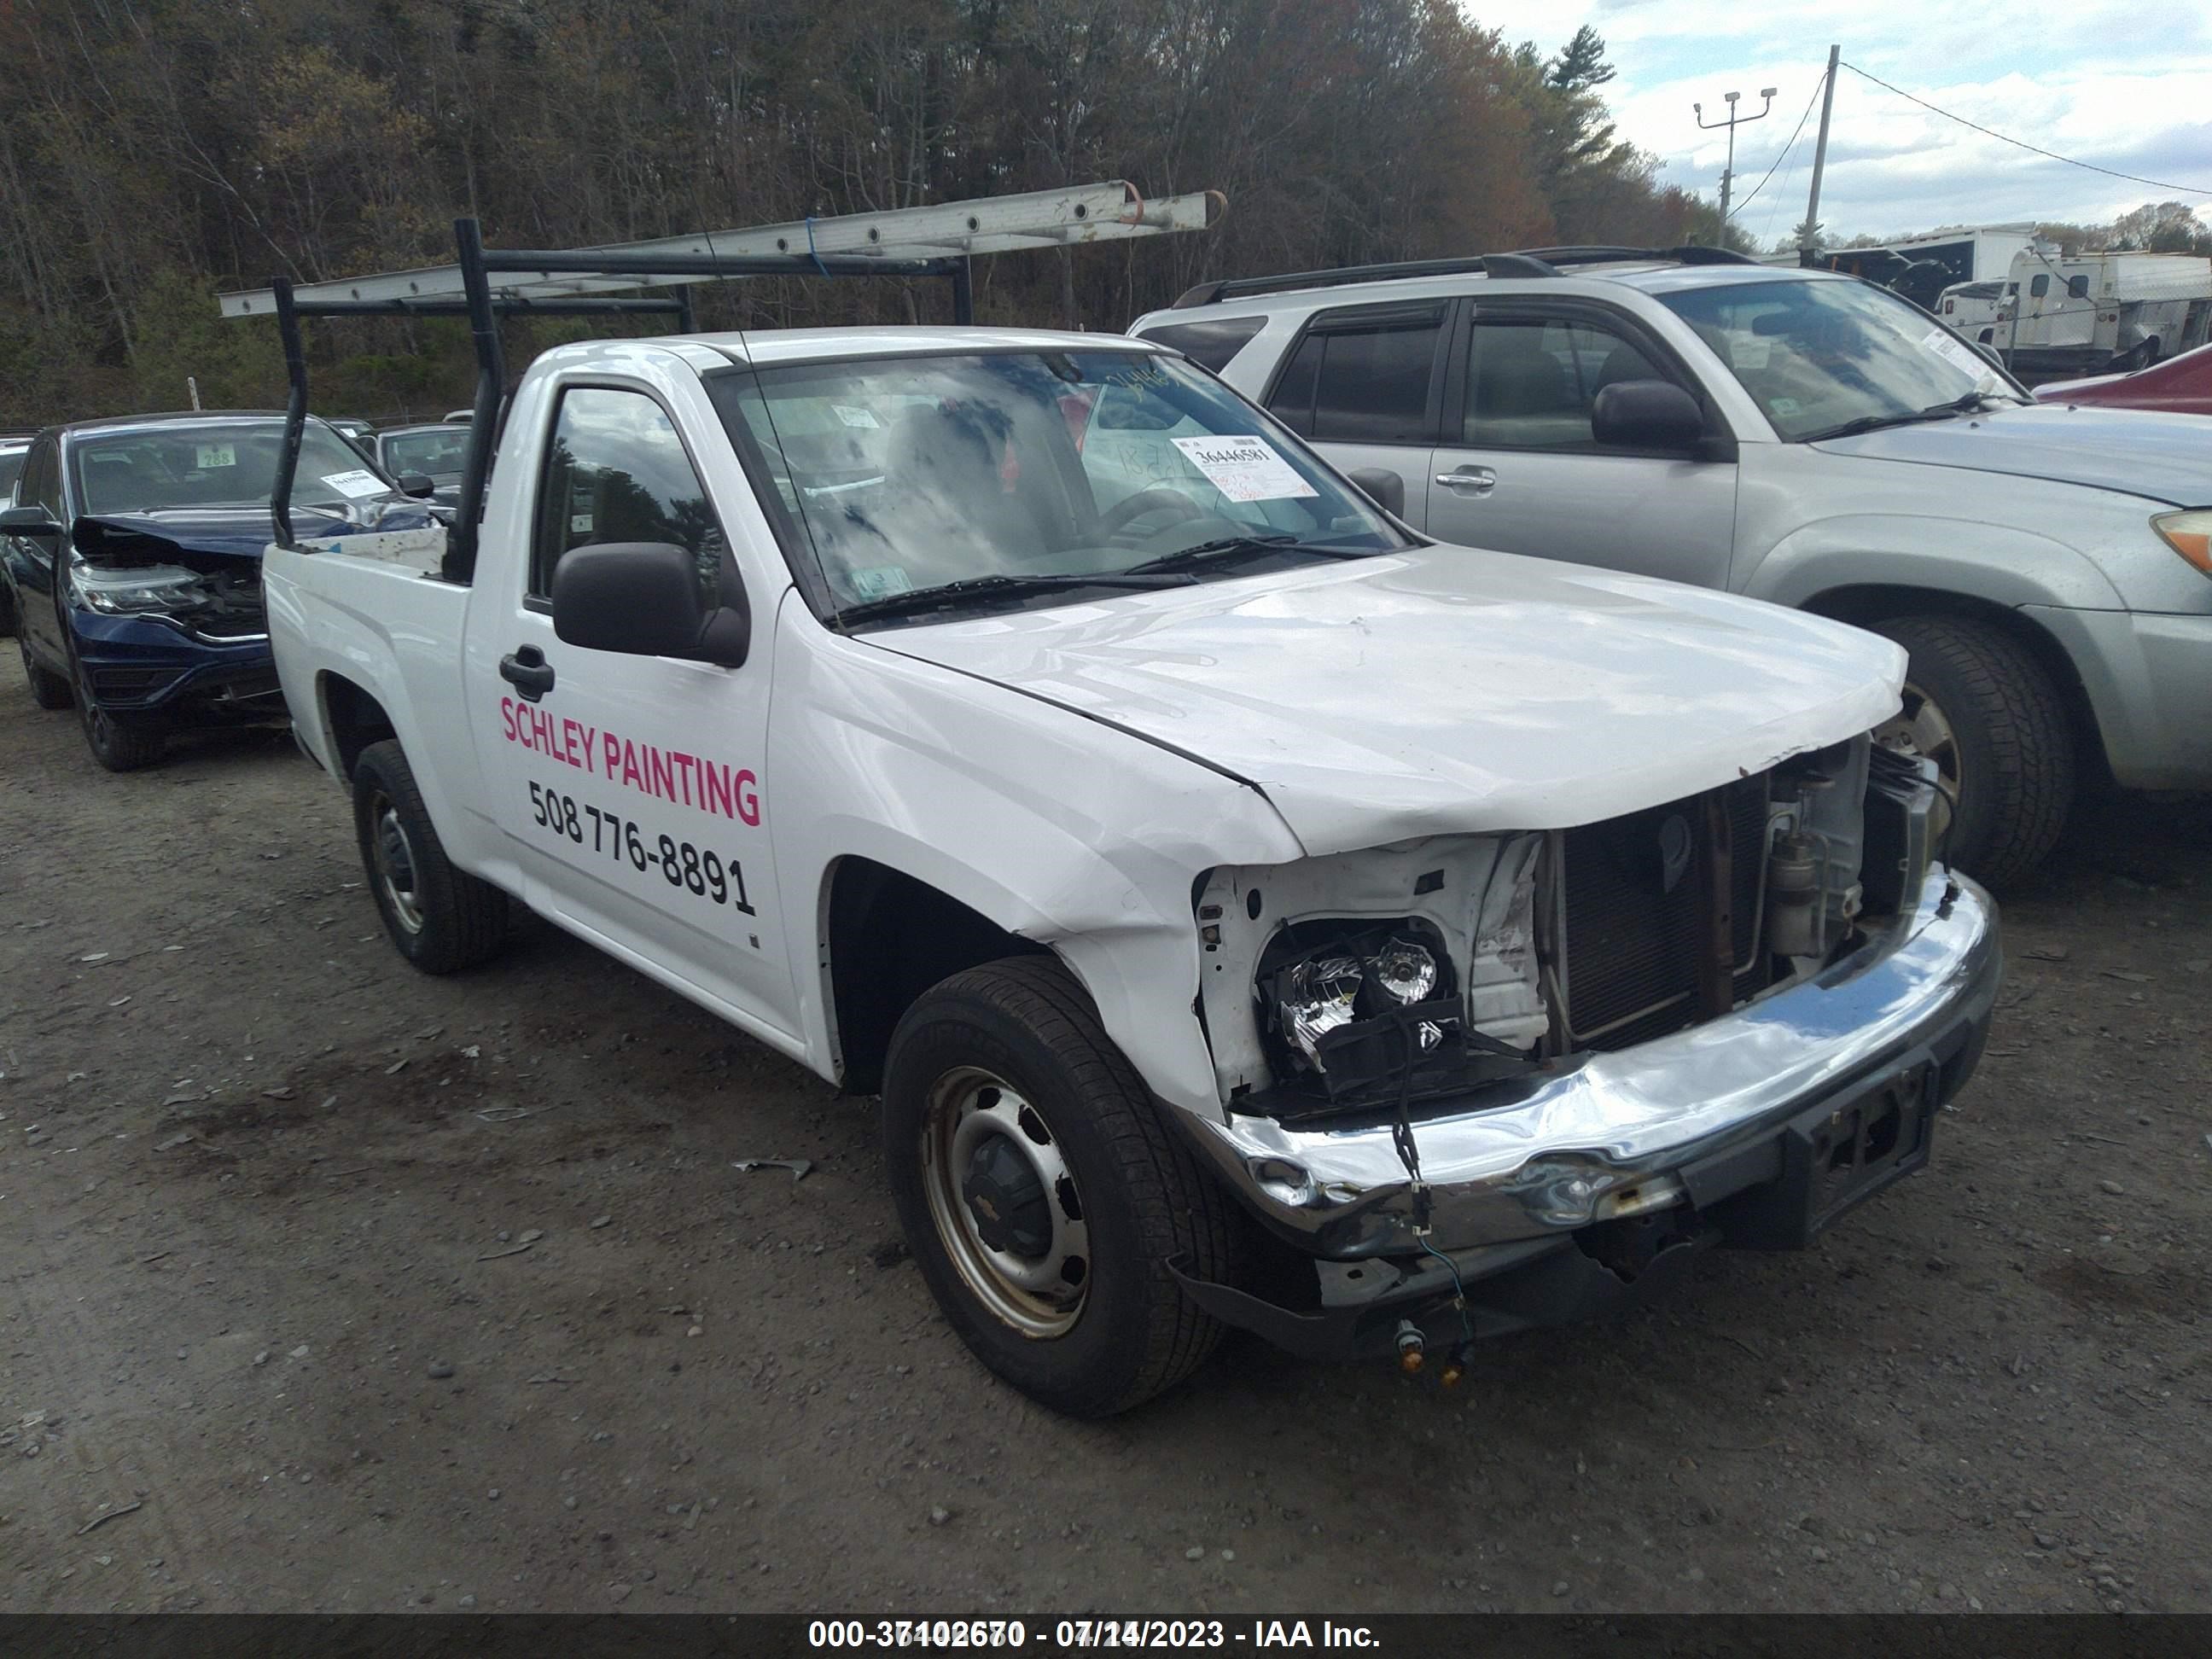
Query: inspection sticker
x=212 y=455
x=1959 y=354
x=1245 y=468
x=354 y=484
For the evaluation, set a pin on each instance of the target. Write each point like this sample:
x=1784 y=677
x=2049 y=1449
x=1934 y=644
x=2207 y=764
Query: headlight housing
x=2188 y=534
x=137 y=590
x=1358 y=1001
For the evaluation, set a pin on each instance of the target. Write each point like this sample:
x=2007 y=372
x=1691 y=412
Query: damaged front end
x=1513 y=1080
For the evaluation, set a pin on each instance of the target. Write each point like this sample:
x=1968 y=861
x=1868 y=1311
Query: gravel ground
x=331 y=1286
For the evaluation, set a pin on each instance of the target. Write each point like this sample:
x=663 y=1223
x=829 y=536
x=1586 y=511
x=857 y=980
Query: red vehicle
x=2179 y=386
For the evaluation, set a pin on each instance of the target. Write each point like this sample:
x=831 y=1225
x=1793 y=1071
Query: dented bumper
x=1693 y=1119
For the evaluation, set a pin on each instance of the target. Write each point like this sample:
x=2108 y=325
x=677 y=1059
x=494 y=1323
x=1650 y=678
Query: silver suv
x=1796 y=435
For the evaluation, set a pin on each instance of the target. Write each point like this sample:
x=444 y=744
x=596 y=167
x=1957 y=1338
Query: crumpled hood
x=2162 y=458
x=192 y=535
x=1444 y=690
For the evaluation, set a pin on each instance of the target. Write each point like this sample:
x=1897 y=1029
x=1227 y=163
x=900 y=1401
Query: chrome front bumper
x=1625 y=1133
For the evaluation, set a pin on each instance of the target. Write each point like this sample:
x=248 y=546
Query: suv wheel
x=1042 y=1194
x=116 y=745
x=1985 y=712
x=48 y=688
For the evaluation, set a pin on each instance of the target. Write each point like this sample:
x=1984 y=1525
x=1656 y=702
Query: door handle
x=1469 y=480
x=528 y=672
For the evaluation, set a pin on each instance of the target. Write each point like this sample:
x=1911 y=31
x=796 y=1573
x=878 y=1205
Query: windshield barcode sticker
x=1954 y=351
x=1245 y=468
x=356 y=484
x=862 y=418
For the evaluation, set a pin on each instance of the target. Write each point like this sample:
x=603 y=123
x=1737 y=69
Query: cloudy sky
x=2128 y=87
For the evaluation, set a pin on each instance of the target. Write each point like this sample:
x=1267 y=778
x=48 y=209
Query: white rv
x=2098 y=311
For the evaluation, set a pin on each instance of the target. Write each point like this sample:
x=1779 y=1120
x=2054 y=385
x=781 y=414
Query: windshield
x=217 y=463
x=910 y=474
x=443 y=451
x=11 y=468
x=1817 y=356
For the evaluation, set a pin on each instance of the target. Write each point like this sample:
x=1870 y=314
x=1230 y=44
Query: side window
x=1292 y=403
x=2077 y=288
x=1362 y=377
x=1531 y=381
x=1373 y=384
x=1210 y=343
x=2038 y=287
x=42 y=479
x=617 y=472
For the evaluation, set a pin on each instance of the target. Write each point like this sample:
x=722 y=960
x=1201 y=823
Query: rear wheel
x=443 y=920
x=1979 y=706
x=48 y=688
x=1042 y=1194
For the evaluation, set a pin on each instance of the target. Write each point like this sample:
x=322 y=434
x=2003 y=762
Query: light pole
x=1728 y=173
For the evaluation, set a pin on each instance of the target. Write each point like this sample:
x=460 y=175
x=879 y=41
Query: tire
x=115 y=745
x=48 y=688
x=1017 y=1042
x=2010 y=758
x=442 y=920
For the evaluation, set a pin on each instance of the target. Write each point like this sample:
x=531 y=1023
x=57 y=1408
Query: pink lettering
x=749 y=798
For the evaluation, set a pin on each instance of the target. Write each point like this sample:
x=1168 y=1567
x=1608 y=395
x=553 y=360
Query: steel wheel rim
x=395 y=862
x=1922 y=730
x=973 y=1124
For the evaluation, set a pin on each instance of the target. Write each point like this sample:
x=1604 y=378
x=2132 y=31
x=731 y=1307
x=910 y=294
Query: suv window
x=617 y=472
x=1359 y=379
x=1211 y=343
x=1531 y=381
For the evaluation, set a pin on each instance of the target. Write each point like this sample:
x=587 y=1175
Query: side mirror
x=1647 y=415
x=420 y=485
x=1383 y=487
x=643 y=598
x=27 y=521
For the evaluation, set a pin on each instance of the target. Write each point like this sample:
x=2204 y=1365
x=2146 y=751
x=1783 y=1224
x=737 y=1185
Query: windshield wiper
x=1964 y=404
x=1233 y=547
x=948 y=594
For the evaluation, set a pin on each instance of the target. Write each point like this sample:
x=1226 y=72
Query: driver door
x=630 y=785
x=1520 y=472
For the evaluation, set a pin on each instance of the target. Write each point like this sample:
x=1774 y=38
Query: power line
x=2051 y=154
x=1786 y=149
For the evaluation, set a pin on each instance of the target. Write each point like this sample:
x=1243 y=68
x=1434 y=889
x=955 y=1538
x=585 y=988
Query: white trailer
x=2097 y=311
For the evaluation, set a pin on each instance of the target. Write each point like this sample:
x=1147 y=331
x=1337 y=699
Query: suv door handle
x=528 y=672
x=1469 y=480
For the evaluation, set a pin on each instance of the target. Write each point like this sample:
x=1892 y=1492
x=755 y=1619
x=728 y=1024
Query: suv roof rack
x=1521 y=262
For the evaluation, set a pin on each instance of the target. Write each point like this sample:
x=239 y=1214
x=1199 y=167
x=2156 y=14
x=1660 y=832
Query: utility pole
x=1809 y=249
x=1728 y=173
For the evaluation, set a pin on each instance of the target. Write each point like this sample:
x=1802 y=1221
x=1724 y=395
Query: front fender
x=1999 y=564
x=1074 y=835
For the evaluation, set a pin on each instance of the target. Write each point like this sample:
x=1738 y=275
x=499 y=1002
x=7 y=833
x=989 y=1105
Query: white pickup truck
x=1250 y=912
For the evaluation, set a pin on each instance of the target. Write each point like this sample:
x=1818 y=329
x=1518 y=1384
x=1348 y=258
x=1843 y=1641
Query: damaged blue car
x=133 y=555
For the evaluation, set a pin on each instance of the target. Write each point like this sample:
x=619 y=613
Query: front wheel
x=1979 y=706
x=1043 y=1196
x=48 y=688
x=115 y=745
x=443 y=920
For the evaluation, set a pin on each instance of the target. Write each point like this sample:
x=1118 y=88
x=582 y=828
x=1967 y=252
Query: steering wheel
x=1118 y=517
